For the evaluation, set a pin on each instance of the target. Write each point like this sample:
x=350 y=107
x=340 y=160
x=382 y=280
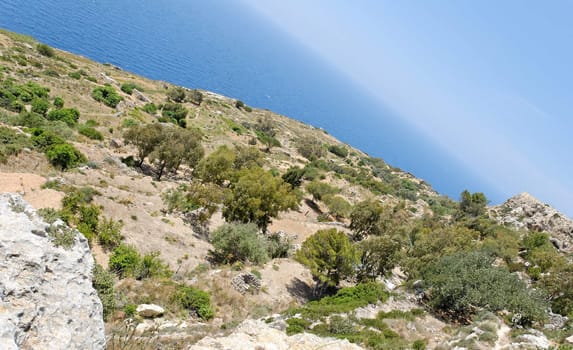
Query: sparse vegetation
x=107 y=95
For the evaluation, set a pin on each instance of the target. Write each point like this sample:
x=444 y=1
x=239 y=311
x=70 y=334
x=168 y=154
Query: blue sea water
x=218 y=45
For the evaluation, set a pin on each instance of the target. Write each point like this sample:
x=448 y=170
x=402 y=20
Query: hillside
x=220 y=212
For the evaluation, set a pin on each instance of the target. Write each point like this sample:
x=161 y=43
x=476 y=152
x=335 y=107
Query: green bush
x=294 y=176
x=109 y=233
x=58 y=102
x=103 y=284
x=65 y=156
x=45 y=50
x=62 y=236
x=40 y=106
x=75 y=75
x=175 y=112
x=129 y=87
x=319 y=190
x=43 y=139
x=340 y=151
x=152 y=266
x=88 y=220
x=124 y=261
x=107 y=95
x=297 y=325
x=12 y=143
x=195 y=96
x=310 y=148
x=195 y=300
x=149 y=108
x=90 y=132
x=463 y=282
x=238 y=242
x=176 y=94
x=70 y=116
x=337 y=206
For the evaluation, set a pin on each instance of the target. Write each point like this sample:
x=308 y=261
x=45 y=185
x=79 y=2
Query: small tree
x=217 y=167
x=329 y=255
x=145 y=138
x=195 y=96
x=294 y=176
x=337 y=206
x=176 y=94
x=177 y=146
x=472 y=204
x=70 y=116
x=257 y=196
x=378 y=255
x=364 y=219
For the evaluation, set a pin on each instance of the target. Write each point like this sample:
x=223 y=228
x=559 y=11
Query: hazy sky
x=489 y=81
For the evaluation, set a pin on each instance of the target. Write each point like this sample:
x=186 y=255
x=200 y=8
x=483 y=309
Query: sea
x=221 y=46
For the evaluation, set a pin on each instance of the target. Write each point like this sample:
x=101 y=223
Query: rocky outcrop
x=150 y=310
x=253 y=334
x=526 y=212
x=46 y=296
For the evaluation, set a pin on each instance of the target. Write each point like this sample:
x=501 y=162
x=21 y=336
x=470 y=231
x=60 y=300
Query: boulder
x=150 y=310
x=46 y=296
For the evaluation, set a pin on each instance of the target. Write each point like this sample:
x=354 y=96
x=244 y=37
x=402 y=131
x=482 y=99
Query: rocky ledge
x=256 y=334
x=46 y=296
x=527 y=212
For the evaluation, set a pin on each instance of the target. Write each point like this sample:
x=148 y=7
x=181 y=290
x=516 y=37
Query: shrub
x=11 y=143
x=278 y=245
x=176 y=94
x=49 y=215
x=175 y=112
x=40 y=106
x=43 y=139
x=90 y=132
x=319 y=190
x=294 y=176
x=129 y=87
x=103 y=284
x=297 y=325
x=149 y=108
x=109 y=233
x=238 y=242
x=152 y=266
x=58 y=102
x=62 y=236
x=195 y=97
x=310 y=148
x=107 y=95
x=463 y=282
x=45 y=50
x=70 y=116
x=124 y=261
x=88 y=220
x=239 y=104
x=75 y=75
x=65 y=156
x=195 y=300
x=339 y=151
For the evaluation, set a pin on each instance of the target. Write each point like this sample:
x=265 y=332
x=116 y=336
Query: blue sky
x=490 y=82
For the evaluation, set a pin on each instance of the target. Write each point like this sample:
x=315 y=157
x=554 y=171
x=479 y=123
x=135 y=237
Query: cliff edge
x=46 y=296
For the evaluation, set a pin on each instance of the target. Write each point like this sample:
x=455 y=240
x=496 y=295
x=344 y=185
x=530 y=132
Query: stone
x=245 y=282
x=140 y=96
x=46 y=296
x=150 y=310
x=115 y=143
x=569 y=339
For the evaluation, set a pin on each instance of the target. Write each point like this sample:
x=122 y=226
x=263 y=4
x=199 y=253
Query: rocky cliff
x=46 y=296
x=524 y=211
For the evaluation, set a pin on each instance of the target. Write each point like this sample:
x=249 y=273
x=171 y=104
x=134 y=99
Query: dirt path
x=29 y=186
